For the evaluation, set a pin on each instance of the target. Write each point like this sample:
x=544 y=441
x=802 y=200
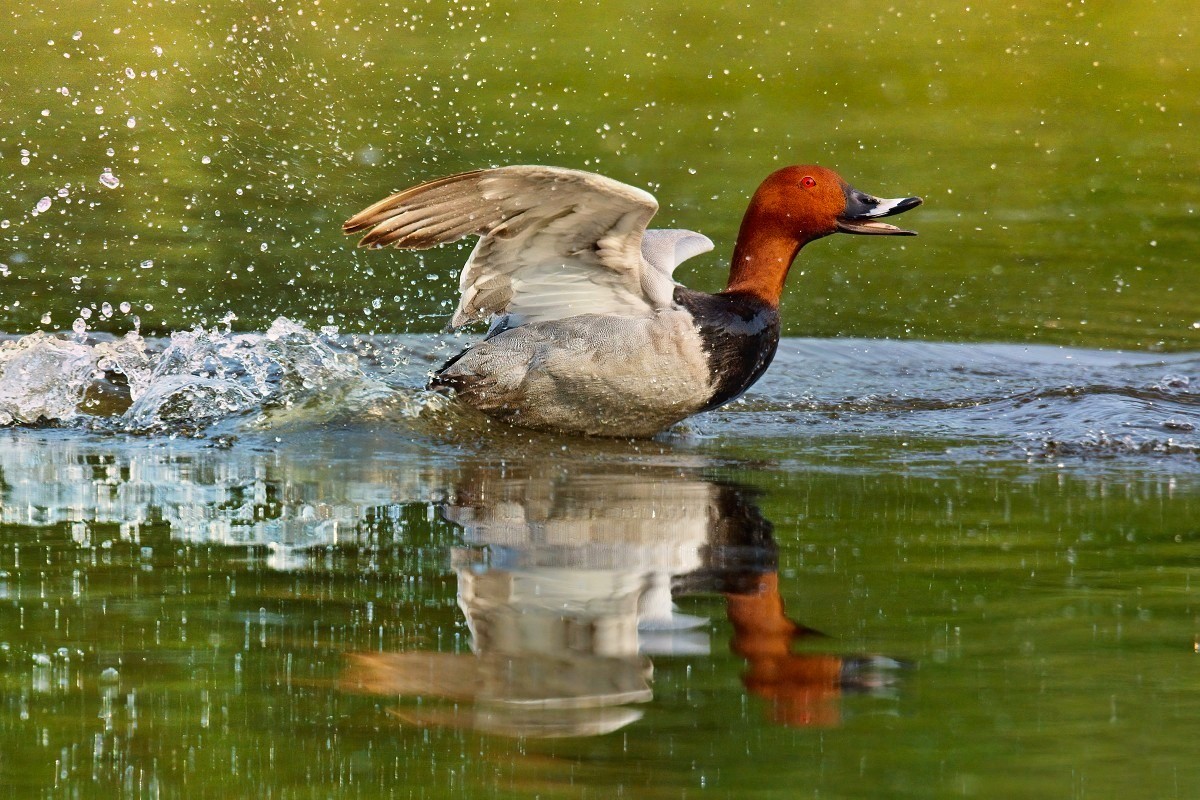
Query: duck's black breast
x=740 y=334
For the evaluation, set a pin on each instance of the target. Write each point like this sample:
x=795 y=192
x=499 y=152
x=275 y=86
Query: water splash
x=42 y=378
x=197 y=379
x=1029 y=402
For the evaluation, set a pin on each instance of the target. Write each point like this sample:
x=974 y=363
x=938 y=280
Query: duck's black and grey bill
x=862 y=211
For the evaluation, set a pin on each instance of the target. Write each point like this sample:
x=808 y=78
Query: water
x=982 y=399
x=945 y=548
x=271 y=560
x=1054 y=148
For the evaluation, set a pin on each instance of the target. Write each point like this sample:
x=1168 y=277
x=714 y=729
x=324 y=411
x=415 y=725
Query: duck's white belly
x=590 y=374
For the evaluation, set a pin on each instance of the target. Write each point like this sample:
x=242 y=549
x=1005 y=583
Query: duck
x=590 y=334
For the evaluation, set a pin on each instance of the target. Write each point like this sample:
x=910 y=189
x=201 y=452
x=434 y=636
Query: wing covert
x=553 y=242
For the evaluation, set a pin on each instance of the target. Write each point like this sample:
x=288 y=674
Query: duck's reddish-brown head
x=807 y=202
x=791 y=208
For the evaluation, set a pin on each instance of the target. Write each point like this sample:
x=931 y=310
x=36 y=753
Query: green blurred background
x=1055 y=144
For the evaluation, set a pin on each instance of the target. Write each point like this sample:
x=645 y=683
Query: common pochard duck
x=590 y=333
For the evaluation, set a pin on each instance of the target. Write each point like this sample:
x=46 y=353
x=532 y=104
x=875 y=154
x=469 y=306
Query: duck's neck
x=761 y=260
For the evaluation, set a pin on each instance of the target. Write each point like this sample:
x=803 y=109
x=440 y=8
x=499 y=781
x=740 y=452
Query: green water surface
x=1055 y=144
x=1044 y=621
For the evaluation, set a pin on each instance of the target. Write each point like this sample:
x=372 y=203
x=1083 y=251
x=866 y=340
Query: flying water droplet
x=369 y=155
x=43 y=205
x=148 y=263
x=108 y=180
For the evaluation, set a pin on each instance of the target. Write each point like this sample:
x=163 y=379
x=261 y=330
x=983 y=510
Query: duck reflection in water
x=566 y=581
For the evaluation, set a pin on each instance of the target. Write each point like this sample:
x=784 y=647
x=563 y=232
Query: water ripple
x=1049 y=400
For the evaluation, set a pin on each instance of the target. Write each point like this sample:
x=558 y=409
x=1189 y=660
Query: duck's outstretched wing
x=553 y=243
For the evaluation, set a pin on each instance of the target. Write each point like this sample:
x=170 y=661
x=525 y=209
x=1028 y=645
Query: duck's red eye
x=808 y=182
